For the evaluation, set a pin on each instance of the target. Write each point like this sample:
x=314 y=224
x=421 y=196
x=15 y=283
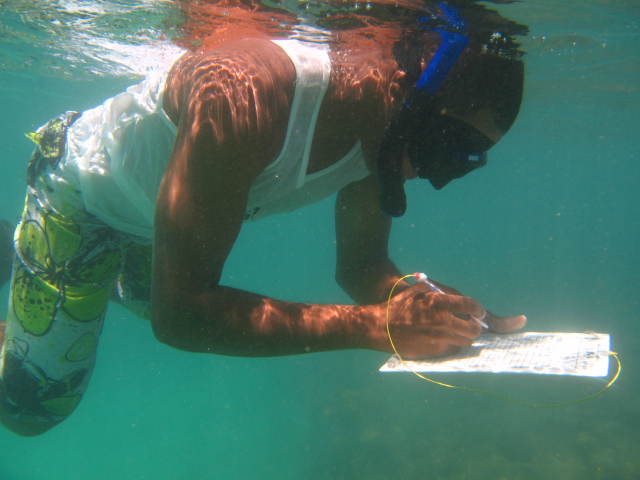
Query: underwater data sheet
x=581 y=354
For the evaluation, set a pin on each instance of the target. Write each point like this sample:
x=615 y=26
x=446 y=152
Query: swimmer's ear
x=395 y=87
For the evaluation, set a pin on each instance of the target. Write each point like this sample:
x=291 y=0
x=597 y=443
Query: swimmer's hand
x=3 y=327
x=425 y=324
x=504 y=324
x=496 y=324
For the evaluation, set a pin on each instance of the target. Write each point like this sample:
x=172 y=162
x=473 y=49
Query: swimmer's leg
x=61 y=280
x=66 y=264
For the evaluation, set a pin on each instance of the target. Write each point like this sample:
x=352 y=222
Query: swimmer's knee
x=24 y=428
x=21 y=425
x=31 y=402
x=25 y=419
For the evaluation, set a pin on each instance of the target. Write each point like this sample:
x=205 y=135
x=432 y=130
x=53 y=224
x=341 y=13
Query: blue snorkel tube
x=418 y=103
x=453 y=41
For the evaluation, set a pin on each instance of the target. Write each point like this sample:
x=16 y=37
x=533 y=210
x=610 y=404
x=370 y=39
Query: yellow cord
x=573 y=402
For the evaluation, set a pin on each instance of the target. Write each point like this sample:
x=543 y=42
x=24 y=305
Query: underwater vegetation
x=372 y=434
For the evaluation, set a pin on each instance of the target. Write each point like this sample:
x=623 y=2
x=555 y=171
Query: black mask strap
x=393 y=200
x=451 y=27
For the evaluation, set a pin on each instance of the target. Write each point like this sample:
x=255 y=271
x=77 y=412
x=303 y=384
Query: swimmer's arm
x=363 y=268
x=191 y=311
x=197 y=222
x=200 y=210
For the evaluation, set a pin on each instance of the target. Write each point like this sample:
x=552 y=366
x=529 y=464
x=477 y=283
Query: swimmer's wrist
x=368 y=329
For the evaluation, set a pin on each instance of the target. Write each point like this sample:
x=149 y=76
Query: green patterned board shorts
x=68 y=265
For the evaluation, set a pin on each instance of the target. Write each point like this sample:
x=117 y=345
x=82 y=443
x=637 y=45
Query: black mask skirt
x=440 y=148
x=443 y=148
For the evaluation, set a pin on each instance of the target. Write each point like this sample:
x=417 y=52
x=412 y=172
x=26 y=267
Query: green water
x=549 y=229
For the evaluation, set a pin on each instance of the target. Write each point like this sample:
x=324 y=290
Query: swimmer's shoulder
x=232 y=65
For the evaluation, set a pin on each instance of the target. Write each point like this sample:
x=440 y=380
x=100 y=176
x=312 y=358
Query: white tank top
x=121 y=150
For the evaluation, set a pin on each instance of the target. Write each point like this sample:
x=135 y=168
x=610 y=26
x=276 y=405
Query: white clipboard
x=581 y=354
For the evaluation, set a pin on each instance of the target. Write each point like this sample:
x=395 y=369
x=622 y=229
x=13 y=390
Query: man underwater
x=141 y=199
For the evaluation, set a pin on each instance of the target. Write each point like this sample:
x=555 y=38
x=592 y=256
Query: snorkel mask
x=440 y=148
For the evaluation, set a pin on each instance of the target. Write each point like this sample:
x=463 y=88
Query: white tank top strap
x=313 y=69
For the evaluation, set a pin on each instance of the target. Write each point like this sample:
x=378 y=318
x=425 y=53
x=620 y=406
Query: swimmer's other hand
x=505 y=324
